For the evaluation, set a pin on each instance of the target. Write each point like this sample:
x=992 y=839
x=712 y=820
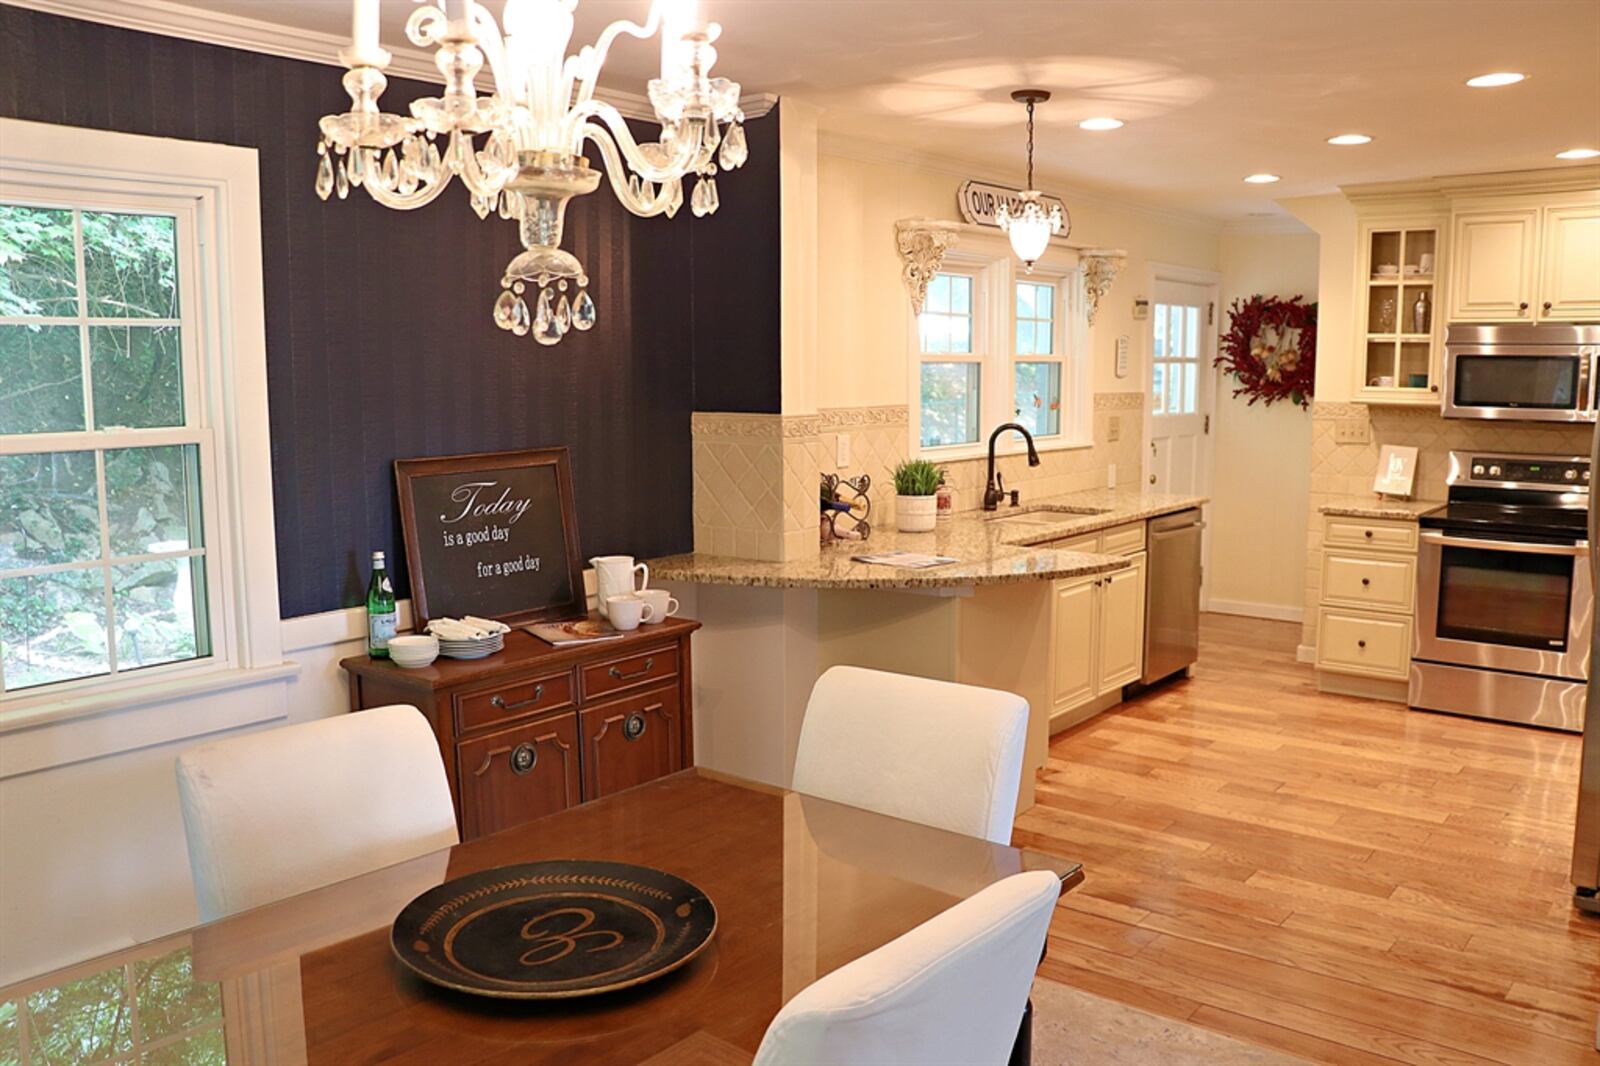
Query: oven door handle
x=1519 y=546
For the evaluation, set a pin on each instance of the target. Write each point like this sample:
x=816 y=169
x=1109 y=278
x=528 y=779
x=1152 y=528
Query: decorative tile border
x=845 y=417
x=1119 y=401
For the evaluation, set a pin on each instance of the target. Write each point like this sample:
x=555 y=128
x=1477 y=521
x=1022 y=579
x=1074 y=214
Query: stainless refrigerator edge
x=1586 y=840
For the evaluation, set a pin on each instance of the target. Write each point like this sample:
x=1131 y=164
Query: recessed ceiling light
x=1578 y=153
x=1350 y=138
x=1262 y=179
x=1494 y=81
x=1100 y=124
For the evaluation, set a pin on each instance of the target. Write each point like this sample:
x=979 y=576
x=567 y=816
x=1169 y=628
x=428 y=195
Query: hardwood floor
x=1341 y=879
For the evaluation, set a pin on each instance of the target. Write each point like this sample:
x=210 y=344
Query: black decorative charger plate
x=553 y=930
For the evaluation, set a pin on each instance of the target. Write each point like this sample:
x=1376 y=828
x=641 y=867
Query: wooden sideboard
x=535 y=729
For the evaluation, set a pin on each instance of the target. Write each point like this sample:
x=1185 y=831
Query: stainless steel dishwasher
x=1172 y=595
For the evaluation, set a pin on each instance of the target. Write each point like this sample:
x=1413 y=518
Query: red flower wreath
x=1271 y=349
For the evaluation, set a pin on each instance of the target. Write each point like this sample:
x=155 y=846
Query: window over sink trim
x=217 y=188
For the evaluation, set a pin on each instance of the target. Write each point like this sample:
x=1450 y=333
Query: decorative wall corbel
x=922 y=243
x=1100 y=269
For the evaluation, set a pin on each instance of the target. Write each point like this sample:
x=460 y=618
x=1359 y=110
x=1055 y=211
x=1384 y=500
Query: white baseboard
x=1278 y=612
x=1306 y=653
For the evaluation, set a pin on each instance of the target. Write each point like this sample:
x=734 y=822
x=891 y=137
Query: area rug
x=1073 y=1028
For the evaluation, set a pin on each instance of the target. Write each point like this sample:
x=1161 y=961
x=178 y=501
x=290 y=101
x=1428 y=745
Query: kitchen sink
x=1042 y=516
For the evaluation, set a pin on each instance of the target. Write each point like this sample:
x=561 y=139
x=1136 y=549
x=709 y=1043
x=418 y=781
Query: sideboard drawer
x=630 y=671
x=1370 y=533
x=1369 y=580
x=512 y=701
x=631 y=740
x=520 y=773
x=1375 y=645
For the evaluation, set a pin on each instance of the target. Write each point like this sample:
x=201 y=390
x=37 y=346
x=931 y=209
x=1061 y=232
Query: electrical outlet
x=1111 y=475
x=1114 y=428
x=1352 y=431
x=842 y=451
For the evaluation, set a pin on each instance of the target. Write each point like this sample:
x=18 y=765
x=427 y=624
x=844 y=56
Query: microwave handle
x=1520 y=546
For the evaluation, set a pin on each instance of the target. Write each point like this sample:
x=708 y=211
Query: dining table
x=801 y=887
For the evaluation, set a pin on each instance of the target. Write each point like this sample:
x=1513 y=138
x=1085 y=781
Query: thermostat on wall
x=1122 y=356
x=1141 y=308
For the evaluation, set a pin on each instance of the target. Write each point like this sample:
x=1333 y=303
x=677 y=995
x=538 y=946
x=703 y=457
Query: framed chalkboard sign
x=492 y=535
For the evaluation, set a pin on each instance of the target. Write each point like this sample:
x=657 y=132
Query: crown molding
x=1261 y=227
x=1556 y=179
x=290 y=42
x=848 y=146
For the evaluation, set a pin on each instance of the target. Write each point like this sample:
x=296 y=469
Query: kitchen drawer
x=1369 y=533
x=1123 y=540
x=629 y=741
x=1374 y=645
x=511 y=776
x=630 y=671
x=512 y=700
x=1089 y=542
x=1384 y=582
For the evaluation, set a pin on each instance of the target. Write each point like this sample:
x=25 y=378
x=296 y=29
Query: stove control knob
x=1586 y=475
x=1571 y=474
x=1477 y=469
x=1494 y=471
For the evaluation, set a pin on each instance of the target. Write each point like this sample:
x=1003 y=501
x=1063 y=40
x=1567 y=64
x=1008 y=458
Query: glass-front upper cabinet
x=1397 y=304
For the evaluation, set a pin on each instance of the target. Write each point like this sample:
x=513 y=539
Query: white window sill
x=47 y=733
x=1009 y=445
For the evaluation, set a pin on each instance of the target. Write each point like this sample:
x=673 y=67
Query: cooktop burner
x=1530 y=497
x=1510 y=519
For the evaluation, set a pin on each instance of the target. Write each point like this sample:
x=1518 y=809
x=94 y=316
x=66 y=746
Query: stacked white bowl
x=413 y=651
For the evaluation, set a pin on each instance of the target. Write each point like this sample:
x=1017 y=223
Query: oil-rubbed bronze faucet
x=994 y=492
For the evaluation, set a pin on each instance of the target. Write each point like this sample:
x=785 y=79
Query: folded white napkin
x=488 y=625
x=467 y=627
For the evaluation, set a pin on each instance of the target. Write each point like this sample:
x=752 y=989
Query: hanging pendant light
x=1030 y=227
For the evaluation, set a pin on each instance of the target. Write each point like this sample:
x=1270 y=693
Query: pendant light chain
x=1030 y=144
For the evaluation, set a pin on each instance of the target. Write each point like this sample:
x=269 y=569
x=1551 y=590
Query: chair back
x=277 y=812
x=953 y=990
x=934 y=752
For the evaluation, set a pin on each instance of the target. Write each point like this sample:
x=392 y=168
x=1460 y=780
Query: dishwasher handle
x=1176 y=523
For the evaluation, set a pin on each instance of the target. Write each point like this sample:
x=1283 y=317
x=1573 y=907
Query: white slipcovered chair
x=274 y=813
x=952 y=990
x=942 y=754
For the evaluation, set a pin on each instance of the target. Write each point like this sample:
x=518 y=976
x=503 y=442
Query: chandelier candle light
x=1031 y=227
x=534 y=125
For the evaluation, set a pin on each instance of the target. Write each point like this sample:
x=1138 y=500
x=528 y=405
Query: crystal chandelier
x=1031 y=227
x=534 y=124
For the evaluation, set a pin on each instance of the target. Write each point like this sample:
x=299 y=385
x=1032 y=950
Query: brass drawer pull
x=499 y=701
x=523 y=758
x=633 y=726
x=620 y=676
x=1365 y=582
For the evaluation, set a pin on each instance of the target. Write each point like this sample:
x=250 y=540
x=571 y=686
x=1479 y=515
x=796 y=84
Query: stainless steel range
x=1505 y=605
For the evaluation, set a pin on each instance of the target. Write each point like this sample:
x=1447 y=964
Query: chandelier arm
x=689 y=156
x=486 y=35
x=668 y=194
x=597 y=53
x=424 y=195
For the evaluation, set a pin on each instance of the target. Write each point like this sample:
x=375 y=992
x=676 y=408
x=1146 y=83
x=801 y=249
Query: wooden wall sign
x=492 y=535
x=978 y=202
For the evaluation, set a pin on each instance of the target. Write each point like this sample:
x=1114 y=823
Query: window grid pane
x=1038 y=397
x=1035 y=319
x=945 y=325
x=950 y=404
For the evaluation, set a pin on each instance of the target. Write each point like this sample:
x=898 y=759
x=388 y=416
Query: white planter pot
x=916 y=514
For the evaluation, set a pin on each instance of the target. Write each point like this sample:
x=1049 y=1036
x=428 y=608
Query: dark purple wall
x=379 y=339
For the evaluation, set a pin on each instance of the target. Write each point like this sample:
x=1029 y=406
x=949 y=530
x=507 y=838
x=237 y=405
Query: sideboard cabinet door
x=627 y=742
x=520 y=773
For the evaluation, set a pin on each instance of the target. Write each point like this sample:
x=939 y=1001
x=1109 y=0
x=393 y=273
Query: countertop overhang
x=990 y=551
x=1378 y=508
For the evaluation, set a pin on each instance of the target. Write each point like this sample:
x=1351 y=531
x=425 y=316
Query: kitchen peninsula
x=1046 y=600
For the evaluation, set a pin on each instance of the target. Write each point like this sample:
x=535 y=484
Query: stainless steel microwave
x=1521 y=371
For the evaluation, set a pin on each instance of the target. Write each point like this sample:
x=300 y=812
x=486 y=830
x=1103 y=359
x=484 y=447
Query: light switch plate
x=1352 y=431
x=842 y=451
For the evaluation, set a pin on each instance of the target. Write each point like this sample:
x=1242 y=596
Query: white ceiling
x=1211 y=90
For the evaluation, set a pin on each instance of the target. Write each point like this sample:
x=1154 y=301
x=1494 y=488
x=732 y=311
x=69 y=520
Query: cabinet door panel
x=517 y=774
x=630 y=741
x=1122 y=626
x=1492 y=279
x=1569 y=286
x=1074 y=640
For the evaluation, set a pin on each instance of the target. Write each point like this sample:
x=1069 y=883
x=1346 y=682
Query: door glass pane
x=1191 y=381
x=1175 y=331
x=160 y=612
x=1160 y=348
x=1038 y=397
x=41 y=379
x=1158 y=378
x=1500 y=597
x=949 y=403
x=1191 y=318
x=130 y=265
x=53 y=627
x=153 y=499
x=138 y=376
x=49 y=509
x=38 y=264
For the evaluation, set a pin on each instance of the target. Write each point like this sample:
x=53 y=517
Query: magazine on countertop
x=580 y=631
x=905 y=560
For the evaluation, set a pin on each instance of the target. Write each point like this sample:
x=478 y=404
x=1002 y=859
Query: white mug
x=626 y=612
x=614 y=576
x=1426 y=262
x=663 y=604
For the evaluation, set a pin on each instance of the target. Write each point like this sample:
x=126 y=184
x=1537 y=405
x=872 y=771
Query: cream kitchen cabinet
x=1364 y=619
x=1528 y=261
x=1097 y=630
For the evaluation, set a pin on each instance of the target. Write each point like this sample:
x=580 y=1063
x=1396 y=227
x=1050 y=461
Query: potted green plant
x=916 y=485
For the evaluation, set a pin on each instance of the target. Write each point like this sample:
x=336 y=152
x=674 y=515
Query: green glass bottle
x=382 y=618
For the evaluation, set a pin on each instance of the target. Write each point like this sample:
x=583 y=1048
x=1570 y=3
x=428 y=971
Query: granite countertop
x=1373 y=507
x=990 y=552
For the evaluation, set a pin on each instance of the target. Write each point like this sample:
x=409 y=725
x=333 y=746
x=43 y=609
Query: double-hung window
x=948 y=332
x=1036 y=366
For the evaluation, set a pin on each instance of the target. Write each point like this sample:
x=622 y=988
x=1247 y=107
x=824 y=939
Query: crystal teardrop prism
x=324 y=177
x=356 y=164
x=698 y=200
x=583 y=312
x=563 y=315
x=520 y=320
x=505 y=309
x=341 y=181
x=734 y=148
x=713 y=201
x=391 y=170
x=545 y=328
x=482 y=205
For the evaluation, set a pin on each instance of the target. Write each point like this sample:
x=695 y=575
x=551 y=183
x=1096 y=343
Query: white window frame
x=215 y=189
x=987 y=257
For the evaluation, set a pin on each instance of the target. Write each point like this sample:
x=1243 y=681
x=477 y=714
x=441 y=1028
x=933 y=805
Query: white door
x=1181 y=391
